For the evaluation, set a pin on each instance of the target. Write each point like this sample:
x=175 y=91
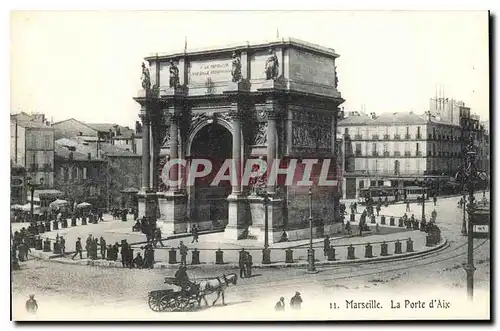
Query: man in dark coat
x=62 y=245
x=102 y=244
x=88 y=244
x=280 y=305
x=124 y=252
x=31 y=304
x=248 y=264
x=326 y=245
x=78 y=248
x=183 y=251
x=138 y=262
x=242 y=263
x=296 y=301
x=194 y=230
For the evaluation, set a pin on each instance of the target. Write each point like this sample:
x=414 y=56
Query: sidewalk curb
x=278 y=265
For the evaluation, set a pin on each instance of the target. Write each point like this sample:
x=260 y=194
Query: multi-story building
x=484 y=149
x=396 y=149
x=17 y=184
x=98 y=179
x=120 y=136
x=32 y=146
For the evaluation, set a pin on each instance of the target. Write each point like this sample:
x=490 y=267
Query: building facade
x=83 y=175
x=17 y=184
x=397 y=149
x=32 y=146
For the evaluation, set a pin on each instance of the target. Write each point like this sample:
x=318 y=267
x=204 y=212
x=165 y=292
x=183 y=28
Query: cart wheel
x=154 y=304
x=168 y=303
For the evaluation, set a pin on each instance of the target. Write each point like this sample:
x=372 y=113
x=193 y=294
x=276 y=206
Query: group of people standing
x=295 y=302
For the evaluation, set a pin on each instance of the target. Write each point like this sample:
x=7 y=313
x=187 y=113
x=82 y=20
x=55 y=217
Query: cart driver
x=182 y=279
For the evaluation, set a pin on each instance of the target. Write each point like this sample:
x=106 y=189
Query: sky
x=87 y=65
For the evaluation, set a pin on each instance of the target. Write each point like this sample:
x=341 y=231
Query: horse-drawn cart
x=171 y=300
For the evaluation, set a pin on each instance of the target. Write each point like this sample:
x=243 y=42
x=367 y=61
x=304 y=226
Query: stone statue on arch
x=145 y=78
x=272 y=65
x=236 y=68
x=174 y=74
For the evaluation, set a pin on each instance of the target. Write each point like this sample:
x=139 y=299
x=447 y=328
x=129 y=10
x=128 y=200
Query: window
x=358 y=149
x=418 y=132
x=77 y=177
x=346 y=131
x=386 y=148
x=361 y=184
x=66 y=174
x=373 y=183
x=374 y=147
x=84 y=172
x=407 y=130
x=418 y=149
x=396 y=147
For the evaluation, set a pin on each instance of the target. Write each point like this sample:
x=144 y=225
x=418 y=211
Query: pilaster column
x=174 y=145
x=272 y=112
x=236 y=156
x=146 y=153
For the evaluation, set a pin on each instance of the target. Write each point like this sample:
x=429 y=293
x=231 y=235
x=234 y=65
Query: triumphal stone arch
x=274 y=102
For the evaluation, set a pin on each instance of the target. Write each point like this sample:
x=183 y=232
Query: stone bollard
x=56 y=248
x=401 y=223
x=46 y=245
x=397 y=247
x=73 y=222
x=289 y=256
x=368 y=251
x=196 y=256
x=64 y=223
x=353 y=218
x=84 y=220
x=219 y=256
x=392 y=221
x=409 y=245
x=382 y=220
x=55 y=225
x=373 y=220
x=38 y=244
x=172 y=256
x=350 y=253
x=383 y=249
x=331 y=254
x=429 y=240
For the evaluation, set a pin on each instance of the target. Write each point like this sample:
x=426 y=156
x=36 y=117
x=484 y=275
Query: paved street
x=102 y=293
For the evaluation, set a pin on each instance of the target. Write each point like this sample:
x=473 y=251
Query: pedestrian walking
x=194 y=231
x=31 y=304
x=408 y=206
x=242 y=263
x=78 y=248
x=280 y=305
x=435 y=200
x=88 y=244
x=296 y=301
x=62 y=245
x=326 y=245
x=124 y=253
x=183 y=251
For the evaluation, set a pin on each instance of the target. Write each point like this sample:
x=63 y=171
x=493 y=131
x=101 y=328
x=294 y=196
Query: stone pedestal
x=237 y=217
x=256 y=230
x=272 y=84
x=147 y=202
x=237 y=86
x=172 y=91
x=172 y=212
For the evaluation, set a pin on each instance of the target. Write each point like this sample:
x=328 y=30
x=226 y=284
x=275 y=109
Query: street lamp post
x=266 y=252
x=310 y=252
x=32 y=187
x=464 y=223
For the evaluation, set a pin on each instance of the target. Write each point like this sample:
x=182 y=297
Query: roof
x=105 y=127
x=399 y=118
x=253 y=45
x=32 y=124
x=81 y=148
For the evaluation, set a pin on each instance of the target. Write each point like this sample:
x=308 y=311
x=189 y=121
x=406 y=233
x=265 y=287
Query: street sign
x=481 y=223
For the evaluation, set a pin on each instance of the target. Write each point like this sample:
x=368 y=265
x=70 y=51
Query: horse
x=216 y=285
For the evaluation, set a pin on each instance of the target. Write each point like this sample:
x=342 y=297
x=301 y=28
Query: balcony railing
x=418 y=153
x=375 y=153
x=407 y=136
x=397 y=137
x=419 y=136
x=407 y=153
x=386 y=153
x=386 y=137
x=357 y=153
x=358 y=137
x=397 y=153
x=375 y=137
